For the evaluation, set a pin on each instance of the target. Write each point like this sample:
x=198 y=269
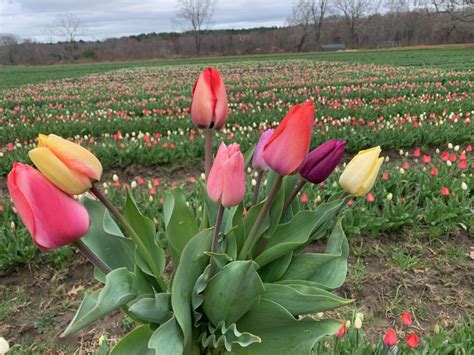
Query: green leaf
x=192 y=264
x=219 y=336
x=248 y=155
x=135 y=342
x=119 y=289
x=300 y=299
x=145 y=228
x=328 y=269
x=167 y=339
x=154 y=310
x=274 y=270
x=105 y=239
x=281 y=333
x=180 y=223
x=232 y=292
x=197 y=297
x=221 y=259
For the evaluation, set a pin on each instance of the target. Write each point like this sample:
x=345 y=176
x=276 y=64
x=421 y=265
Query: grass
x=453 y=58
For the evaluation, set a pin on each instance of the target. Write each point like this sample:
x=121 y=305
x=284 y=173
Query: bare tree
x=69 y=26
x=301 y=18
x=10 y=42
x=196 y=14
x=459 y=14
x=318 y=10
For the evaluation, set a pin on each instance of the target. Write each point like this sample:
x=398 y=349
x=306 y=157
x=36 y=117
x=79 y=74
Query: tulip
x=406 y=319
x=341 y=331
x=4 y=346
x=412 y=340
x=390 y=338
x=69 y=166
x=320 y=162
x=226 y=182
x=360 y=174
x=53 y=218
x=209 y=100
x=288 y=146
x=258 y=162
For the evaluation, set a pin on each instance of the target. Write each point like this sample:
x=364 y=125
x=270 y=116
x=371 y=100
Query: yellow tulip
x=67 y=165
x=360 y=174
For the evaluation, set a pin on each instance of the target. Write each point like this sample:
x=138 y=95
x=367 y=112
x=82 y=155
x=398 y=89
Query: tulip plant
x=241 y=280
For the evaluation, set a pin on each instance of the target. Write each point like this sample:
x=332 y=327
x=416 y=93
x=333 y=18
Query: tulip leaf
x=216 y=337
x=167 y=339
x=119 y=289
x=274 y=270
x=153 y=309
x=192 y=264
x=280 y=331
x=300 y=299
x=221 y=259
x=248 y=155
x=197 y=297
x=135 y=342
x=105 y=239
x=180 y=223
x=232 y=292
x=329 y=268
x=145 y=228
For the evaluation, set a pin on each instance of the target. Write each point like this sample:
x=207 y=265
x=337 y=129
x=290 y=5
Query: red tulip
x=416 y=152
x=426 y=159
x=52 y=217
x=462 y=164
x=341 y=331
x=412 y=340
x=444 y=191
x=390 y=338
x=385 y=176
x=209 y=100
x=469 y=148
x=405 y=165
x=370 y=197
x=406 y=318
x=434 y=172
x=288 y=146
x=226 y=182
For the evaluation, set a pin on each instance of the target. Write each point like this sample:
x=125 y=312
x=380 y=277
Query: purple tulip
x=321 y=161
x=258 y=162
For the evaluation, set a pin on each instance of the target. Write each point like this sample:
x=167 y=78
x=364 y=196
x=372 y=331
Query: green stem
x=208 y=151
x=293 y=194
x=90 y=255
x=215 y=238
x=252 y=238
x=130 y=232
x=256 y=191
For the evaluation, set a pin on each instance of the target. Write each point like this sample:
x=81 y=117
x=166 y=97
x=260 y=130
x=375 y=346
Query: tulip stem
x=132 y=234
x=92 y=257
x=215 y=238
x=256 y=191
x=293 y=194
x=208 y=151
x=253 y=235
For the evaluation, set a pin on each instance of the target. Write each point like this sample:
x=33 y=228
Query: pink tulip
x=288 y=146
x=258 y=162
x=226 y=182
x=209 y=100
x=52 y=217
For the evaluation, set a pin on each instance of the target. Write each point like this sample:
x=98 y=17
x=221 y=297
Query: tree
x=68 y=26
x=306 y=13
x=460 y=13
x=10 y=42
x=196 y=14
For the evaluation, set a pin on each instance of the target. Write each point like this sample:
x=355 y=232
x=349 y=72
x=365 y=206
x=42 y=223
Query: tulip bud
x=226 y=182
x=390 y=338
x=360 y=174
x=358 y=323
x=412 y=340
x=464 y=186
x=288 y=146
x=52 y=217
x=406 y=318
x=4 y=346
x=320 y=162
x=209 y=100
x=258 y=162
x=69 y=166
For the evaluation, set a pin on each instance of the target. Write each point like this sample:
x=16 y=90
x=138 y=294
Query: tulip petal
x=203 y=101
x=370 y=181
x=215 y=180
x=233 y=180
x=220 y=106
x=58 y=173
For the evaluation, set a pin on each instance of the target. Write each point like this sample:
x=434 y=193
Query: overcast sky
x=111 y=18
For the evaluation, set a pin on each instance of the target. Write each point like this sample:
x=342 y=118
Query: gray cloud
x=111 y=18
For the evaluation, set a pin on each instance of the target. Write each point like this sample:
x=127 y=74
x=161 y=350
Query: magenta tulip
x=226 y=182
x=209 y=100
x=52 y=217
x=321 y=162
x=288 y=146
x=258 y=162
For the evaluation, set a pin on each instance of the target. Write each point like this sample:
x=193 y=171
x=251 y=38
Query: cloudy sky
x=112 y=18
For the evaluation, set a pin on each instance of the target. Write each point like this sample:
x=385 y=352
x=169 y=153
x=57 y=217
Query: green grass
x=459 y=57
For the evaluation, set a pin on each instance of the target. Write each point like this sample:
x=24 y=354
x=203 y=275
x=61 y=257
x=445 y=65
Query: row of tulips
x=240 y=282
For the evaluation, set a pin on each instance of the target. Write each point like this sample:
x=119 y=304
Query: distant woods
x=312 y=25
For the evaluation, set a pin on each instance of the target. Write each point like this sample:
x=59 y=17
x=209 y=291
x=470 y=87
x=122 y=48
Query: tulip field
x=411 y=237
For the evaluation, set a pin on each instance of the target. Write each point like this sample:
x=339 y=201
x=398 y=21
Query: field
x=411 y=237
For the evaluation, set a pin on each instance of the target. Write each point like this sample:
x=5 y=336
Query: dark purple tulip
x=321 y=161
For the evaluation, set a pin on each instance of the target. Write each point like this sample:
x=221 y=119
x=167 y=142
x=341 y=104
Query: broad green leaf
x=303 y=283
x=105 y=239
x=192 y=264
x=300 y=300
x=119 y=289
x=145 y=228
x=274 y=270
x=154 y=310
x=221 y=259
x=180 y=223
x=167 y=339
x=328 y=269
x=219 y=336
x=248 y=155
x=197 y=297
x=281 y=333
x=232 y=292
x=135 y=342
x=276 y=210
